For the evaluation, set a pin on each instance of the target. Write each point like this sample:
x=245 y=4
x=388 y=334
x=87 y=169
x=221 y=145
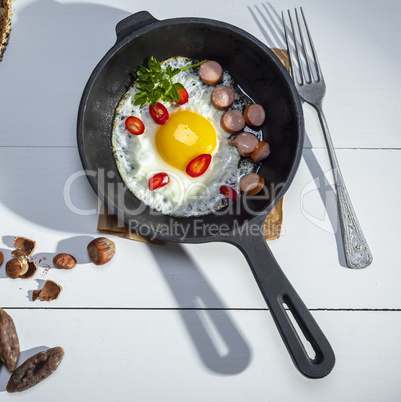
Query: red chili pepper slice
x=183 y=96
x=159 y=113
x=134 y=125
x=158 y=180
x=199 y=165
x=229 y=192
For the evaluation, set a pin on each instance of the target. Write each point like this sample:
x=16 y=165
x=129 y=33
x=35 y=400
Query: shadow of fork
x=269 y=22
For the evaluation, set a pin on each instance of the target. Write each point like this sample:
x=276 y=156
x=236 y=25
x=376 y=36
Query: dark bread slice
x=5 y=24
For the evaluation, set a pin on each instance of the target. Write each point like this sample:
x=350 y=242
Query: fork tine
x=315 y=59
x=290 y=51
x=305 y=54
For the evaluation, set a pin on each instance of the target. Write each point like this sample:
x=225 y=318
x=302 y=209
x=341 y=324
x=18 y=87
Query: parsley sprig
x=155 y=83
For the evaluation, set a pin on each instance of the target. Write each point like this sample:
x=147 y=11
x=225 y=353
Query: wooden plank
x=205 y=355
x=39 y=104
x=32 y=205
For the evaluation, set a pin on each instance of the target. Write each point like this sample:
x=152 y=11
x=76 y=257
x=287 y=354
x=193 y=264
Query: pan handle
x=133 y=23
x=277 y=290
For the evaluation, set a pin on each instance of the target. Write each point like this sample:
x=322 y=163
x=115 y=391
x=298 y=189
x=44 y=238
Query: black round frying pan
x=258 y=73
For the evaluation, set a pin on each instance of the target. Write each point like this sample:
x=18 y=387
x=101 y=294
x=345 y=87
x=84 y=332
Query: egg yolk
x=186 y=135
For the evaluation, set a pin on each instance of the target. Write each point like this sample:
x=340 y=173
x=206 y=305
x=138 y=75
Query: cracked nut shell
x=18 y=253
x=17 y=267
x=9 y=343
x=50 y=291
x=36 y=369
x=32 y=268
x=101 y=250
x=25 y=245
x=64 y=261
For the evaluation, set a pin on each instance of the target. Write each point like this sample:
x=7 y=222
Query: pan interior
x=253 y=70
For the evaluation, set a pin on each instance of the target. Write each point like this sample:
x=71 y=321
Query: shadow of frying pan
x=62 y=42
x=216 y=339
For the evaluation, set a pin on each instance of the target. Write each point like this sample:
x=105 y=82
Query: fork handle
x=357 y=252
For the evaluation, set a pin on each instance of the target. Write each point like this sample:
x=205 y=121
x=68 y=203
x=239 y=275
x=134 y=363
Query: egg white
x=138 y=159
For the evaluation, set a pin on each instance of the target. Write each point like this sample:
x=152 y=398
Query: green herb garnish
x=154 y=83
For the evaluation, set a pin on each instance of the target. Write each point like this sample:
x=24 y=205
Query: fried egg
x=191 y=130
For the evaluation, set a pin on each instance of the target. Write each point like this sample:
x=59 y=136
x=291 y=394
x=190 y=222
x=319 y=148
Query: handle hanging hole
x=306 y=344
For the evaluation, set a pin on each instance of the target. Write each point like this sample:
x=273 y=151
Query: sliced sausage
x=254 y=115
x=261 y=151
x=252 y=183
x=210 y=72
x=222 y=97
x=245 y=143
x=232 y=121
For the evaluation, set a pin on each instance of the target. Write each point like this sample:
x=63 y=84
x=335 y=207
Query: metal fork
x=312 y=90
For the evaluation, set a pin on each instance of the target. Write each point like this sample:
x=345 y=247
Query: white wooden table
x=180 y=323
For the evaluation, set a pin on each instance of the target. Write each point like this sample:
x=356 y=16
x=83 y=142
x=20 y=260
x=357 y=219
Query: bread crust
x=5 y=24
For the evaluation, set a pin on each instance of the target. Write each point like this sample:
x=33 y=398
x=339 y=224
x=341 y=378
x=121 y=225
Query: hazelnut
x=64 y=261
x=101 y=250
x=17 y=267
x=1 y=257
